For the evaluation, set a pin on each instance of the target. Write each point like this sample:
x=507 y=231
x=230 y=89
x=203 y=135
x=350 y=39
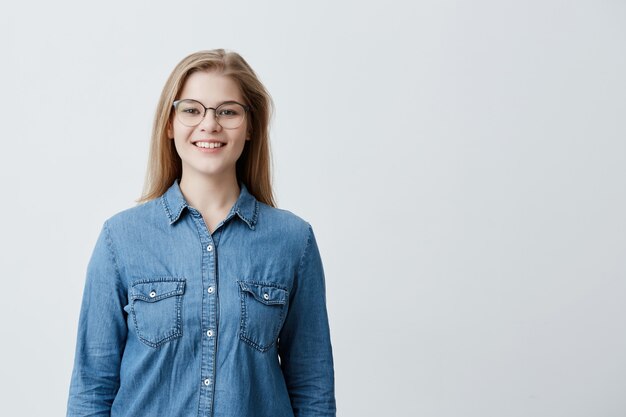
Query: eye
x=229 y=110
x=189 y=108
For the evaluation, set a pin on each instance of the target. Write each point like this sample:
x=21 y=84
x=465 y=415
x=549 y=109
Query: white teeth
x=208 y=145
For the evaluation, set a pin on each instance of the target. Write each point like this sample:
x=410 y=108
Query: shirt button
x=207 y=382
x=152 y=294
x=209 y=248
x=266 y=296
x=209 y=333
x=210 y=290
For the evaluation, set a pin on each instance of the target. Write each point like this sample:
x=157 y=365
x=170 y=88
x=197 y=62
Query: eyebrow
x=218 y=104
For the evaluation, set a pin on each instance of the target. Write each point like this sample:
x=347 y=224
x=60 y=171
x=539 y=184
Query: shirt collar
x=246 y=206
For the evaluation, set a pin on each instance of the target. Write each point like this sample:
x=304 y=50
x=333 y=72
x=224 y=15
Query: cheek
x=180 y=131
x=238 y=141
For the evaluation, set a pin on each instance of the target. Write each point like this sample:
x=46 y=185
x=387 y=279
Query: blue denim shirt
x=176 y=321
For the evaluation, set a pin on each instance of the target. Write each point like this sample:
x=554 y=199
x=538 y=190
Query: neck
x=209 y=194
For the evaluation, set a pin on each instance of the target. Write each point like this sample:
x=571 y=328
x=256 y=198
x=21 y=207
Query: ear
x=170 y=131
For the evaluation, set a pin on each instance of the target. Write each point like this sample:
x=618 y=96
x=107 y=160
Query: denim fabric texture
x=178 y=321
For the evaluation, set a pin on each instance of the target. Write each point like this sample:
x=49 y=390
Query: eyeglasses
x=229 y=115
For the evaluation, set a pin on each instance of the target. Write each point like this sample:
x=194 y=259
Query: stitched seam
x=166 y=207
x=253 y=284
x=156 y=298
x=182 y=207
x=111 y=248
x=178 y=293
x=175 y=333
x=251 y=222
x=198 y=226
x=156 y=279
x=306 y=248
x=266 y=284
x=256 y=213
x=243 y=329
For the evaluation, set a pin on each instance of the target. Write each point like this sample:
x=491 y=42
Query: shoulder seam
x=306 y=247
x=111 y=248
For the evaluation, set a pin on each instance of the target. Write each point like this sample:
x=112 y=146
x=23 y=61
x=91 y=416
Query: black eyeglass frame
x=246 y=109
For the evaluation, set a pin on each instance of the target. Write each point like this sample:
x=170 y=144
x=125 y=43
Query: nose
x=209 y=122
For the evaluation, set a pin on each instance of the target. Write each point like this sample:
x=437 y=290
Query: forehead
x=210 y=88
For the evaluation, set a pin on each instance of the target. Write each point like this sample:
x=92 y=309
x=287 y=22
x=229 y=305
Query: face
x=210 y=89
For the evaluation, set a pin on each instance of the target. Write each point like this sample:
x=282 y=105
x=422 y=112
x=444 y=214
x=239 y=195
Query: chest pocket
x=155 y=307
x=263 y=309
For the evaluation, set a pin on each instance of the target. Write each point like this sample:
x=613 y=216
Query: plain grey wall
x=462 y=162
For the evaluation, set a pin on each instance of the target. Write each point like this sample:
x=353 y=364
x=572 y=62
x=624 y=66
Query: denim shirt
x=178 y=321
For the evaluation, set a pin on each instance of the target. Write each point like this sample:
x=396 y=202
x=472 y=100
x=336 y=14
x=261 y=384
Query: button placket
x=210 y=330
x=210 y=314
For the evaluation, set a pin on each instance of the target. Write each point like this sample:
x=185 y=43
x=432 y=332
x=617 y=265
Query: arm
x=101 y=335
x=304 y=342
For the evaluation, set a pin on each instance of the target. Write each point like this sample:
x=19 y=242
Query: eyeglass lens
x=228 y=115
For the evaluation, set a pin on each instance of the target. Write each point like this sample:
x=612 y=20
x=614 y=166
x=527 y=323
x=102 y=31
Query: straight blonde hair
x=253 y=167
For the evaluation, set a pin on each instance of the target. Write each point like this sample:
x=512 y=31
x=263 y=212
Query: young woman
x=205 y=299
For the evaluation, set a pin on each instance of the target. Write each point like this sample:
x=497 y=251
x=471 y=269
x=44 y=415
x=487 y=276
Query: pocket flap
x=265 y=293
x=152 y=290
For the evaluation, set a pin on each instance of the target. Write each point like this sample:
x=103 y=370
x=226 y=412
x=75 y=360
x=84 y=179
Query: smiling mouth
x=207 y=145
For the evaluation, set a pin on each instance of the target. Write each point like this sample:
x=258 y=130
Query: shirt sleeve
x=304 y=343
x=102 y=332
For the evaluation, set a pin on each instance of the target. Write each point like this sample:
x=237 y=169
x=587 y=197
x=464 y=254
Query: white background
x=462 y=163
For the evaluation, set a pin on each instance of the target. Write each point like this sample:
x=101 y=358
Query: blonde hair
x=253 y=167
